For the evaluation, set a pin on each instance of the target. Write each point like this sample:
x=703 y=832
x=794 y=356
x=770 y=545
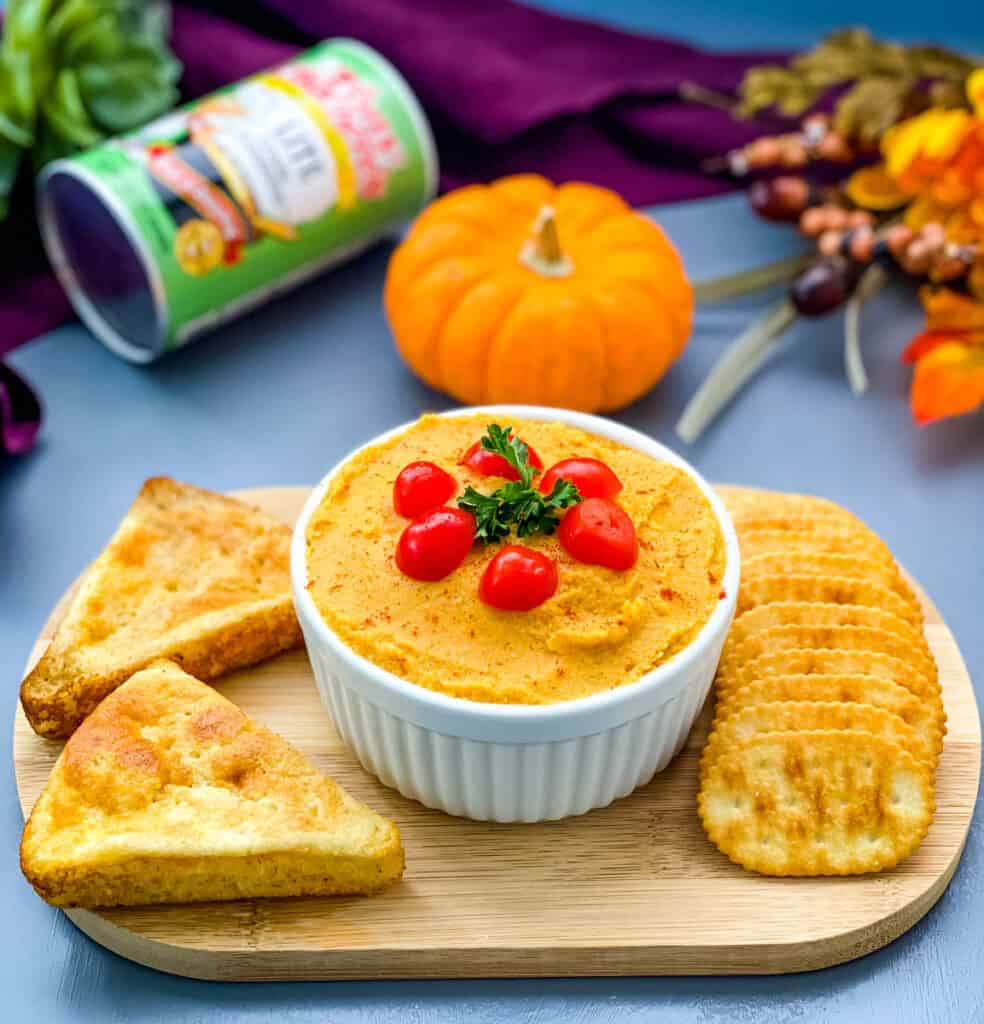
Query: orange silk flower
x=948 y=357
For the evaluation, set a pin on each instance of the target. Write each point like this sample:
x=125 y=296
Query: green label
x=260 y=185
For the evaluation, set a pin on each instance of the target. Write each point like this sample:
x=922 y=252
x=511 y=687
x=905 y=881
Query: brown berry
x=897 y=238
x=823 y=286
x=916 y=258
x=780 y=199
x=859 y=219
x=833 y=147
x=812 y=221
x=764 y=152
x=862 y=244
x=934 y=237
x=829 y=242
x=794 y=154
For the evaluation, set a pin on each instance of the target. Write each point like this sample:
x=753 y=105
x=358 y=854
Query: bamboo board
x=635 y=888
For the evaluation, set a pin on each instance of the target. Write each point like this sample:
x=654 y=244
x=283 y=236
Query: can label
x=251 y=189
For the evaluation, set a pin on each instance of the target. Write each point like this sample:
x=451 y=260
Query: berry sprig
x=815 y=140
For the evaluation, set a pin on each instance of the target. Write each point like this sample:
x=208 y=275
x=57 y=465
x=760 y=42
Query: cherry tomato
x=599 y=532
x=518 y=579
x=490 y=464
x=420 y=487
x=591 y=477
x=435 y=543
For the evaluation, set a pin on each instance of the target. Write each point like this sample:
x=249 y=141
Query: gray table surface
x=278 y=398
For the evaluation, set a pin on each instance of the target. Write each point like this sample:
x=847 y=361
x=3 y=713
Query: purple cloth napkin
x=510 y=89
x=507 y=89
x=20 y=413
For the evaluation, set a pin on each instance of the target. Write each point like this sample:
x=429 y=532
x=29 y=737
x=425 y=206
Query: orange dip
x=600 y=630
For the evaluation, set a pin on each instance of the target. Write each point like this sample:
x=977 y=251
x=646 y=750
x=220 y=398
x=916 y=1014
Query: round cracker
x=923 y=680
x=856 y=688
x=817 y=803
x=826 y=589
x=811 y=613
x=818 y=561
x=822 y=538
x=810 y=716
x=745 y=503
x=824 y=563
x=800 y=520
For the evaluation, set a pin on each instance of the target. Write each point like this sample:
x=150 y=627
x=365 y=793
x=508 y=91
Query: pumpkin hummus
x=601 y=628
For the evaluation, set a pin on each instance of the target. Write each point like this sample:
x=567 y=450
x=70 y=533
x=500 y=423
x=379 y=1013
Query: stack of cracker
x=829 y=720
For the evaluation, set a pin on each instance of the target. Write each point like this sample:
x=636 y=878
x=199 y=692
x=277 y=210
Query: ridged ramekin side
x=505 y=782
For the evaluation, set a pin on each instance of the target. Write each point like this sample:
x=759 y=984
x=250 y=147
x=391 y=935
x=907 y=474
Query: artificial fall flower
x=948 y=357
x=936 y=158
x=948 y=381
x=947 y=310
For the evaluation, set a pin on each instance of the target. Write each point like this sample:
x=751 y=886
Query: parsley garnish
x=518 y=503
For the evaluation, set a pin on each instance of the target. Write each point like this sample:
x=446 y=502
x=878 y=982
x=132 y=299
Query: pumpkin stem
x=542 y=253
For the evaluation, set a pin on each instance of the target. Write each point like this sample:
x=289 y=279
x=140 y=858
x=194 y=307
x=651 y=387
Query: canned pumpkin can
x=207 y=212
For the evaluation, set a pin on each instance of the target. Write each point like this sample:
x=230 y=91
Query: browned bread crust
x=169 y=793
x=189 y=575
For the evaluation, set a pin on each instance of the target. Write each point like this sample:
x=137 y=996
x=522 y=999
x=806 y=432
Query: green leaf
x=127 y=94
x=50 y=145
x=73 y=71
x=517 y=504
x=501 y=441
x=489 y=527
x=13 y=134
x=98 y=40
x=10 y=161
x=20 y=85
x=24 y=22
x=66 y=113
x=70 y=17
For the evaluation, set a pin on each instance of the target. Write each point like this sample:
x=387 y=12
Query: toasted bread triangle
x=168 y=793
x=189 y=575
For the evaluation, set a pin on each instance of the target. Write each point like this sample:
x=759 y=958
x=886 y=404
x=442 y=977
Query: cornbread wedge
x=846 y=688
x=810 y=716
x=759 y=590
x=168 y=793
x=816 y=803
x=189 y=575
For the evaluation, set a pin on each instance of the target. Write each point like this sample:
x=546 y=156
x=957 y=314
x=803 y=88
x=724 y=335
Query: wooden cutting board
x=635 y=888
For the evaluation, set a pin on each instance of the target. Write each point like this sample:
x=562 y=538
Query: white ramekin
x=504 y=762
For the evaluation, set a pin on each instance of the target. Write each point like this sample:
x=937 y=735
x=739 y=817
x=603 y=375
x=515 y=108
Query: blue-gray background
x=279 y=397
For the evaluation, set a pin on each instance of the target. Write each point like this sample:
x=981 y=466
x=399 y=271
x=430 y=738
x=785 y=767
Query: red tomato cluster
x=596 y=531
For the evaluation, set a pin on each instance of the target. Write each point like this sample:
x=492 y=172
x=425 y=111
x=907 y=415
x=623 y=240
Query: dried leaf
x=888 y=80
x=947 y=95
x=869 y=108
x=937 y=62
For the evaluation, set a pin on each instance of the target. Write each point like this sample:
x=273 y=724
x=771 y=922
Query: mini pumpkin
x=521 y=291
